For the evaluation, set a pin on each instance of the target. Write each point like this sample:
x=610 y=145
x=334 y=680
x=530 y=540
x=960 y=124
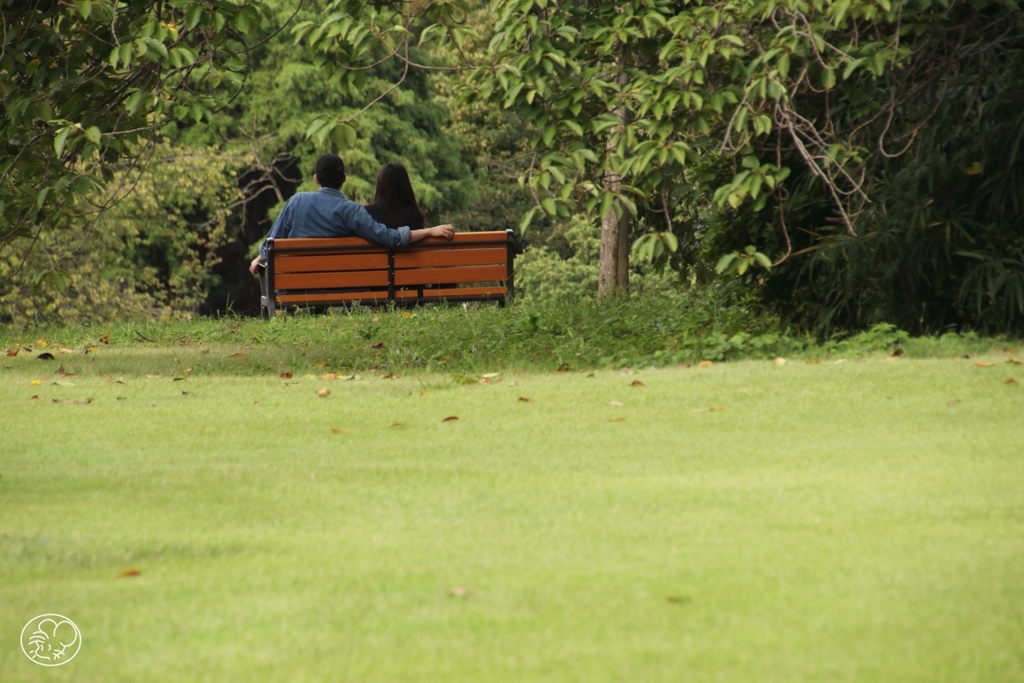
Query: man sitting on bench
x=326 y=213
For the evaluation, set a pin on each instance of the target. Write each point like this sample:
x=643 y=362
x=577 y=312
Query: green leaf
x=85 y=8
x=828 y=78
x=92 y=134
x=782 y=64
x=192 y=16
x=725 y=262
x=60 y=140
x=524 y=223
x=549 y=206
x=344 y=136
x=763 y=260
x=157 y=47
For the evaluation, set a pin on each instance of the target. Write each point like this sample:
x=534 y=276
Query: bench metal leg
x=267 y=307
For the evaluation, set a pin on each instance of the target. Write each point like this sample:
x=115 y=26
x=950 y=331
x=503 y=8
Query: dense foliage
x=900 y=122
x=847 y=162
x=85 y=85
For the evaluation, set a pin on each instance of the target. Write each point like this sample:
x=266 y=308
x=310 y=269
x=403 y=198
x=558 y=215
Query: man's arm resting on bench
x=443 y=231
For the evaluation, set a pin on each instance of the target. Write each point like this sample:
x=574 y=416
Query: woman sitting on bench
x=394 y=203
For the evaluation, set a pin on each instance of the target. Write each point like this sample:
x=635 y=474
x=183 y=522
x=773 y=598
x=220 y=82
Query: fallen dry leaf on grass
x=330 y=376
x=952 y=401
x=319 y=361
x=717 y=409
x=323 y=393
x=512 y=384
x=458 y=592
x=130 y=572
x=897 y=353
x=614 y=403
x=395 y=424
x=36 y=382
x=339 y=431
x=450 y=418
x=677 y=599
x=705 y=364
x=71 y=400
x=424 y=393
x=636 y=383
x=122 y=398
x=34 y=397
x=525 y=400
x=1009 y=380
x=240 y=354
x=286 y=375
x=12 y=352
x=1011 y=361
x=378 y=345
x=616 y=419
x=105 y=339
x=779 y=362
x=985 y=364
x=389 y=376
x=187 y=393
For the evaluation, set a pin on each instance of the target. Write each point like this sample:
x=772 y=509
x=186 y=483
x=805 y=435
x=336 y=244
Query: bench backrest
x=473 y=265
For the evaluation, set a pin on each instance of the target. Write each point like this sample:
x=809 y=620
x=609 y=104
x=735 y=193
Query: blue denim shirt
x=326 y=213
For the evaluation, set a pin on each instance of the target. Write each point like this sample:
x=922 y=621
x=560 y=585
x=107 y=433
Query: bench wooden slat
x=334 y=262
x=434 y=276
x=333 y=297
x=451 y=292
x=460 y=237
x=359 y=278
x=454 y=257
x=300 y=243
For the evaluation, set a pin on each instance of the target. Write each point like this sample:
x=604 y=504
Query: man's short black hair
x=330 y=171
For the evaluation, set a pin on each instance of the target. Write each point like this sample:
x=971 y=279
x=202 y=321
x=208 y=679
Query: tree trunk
x=613 y=267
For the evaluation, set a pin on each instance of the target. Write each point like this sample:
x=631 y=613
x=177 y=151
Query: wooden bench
x=473 y=266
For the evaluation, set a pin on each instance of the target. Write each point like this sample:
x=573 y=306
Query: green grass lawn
x=852 y=521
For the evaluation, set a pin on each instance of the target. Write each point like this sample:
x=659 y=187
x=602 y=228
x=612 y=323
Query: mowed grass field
x=852 y=521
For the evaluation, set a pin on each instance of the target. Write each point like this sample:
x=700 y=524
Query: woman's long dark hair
x=394 y=190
